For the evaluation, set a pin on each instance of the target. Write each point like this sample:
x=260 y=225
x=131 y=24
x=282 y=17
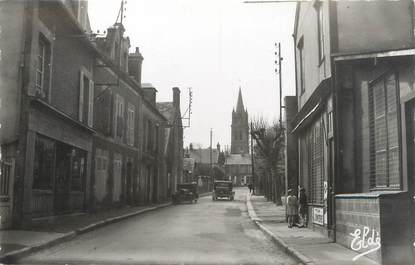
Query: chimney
x=176 y=97
x=149 y=92
x=135 y=61
x=218 y=147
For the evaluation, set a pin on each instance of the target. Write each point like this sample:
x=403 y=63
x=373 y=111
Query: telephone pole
x=278 y=71
x=252 y=158
x=211 y=162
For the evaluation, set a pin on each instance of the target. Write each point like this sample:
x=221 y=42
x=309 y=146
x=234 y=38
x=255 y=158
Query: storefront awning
x=313 y=106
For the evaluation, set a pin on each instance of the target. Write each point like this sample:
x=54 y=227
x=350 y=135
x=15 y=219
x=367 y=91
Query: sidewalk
x=47 y=232
x=307 y=246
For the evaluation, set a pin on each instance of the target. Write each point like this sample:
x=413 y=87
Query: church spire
x=240 y=105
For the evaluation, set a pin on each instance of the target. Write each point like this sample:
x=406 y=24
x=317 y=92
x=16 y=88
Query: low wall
x=378 y=224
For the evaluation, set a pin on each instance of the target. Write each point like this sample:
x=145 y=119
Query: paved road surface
x=209 y=232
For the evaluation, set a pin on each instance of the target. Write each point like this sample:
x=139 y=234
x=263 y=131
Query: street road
x=208 y=232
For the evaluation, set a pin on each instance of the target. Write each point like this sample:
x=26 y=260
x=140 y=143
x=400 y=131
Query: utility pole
x=279 y=72
x=252 y=158
x=211 y=166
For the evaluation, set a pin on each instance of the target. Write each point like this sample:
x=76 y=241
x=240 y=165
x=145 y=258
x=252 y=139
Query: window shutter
x=91 y=103
x=81 y=96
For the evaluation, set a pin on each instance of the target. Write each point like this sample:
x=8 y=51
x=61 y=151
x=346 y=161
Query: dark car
x=223 y=189
x=186 y=192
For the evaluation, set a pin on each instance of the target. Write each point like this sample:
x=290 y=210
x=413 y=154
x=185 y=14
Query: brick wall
x=383 y=215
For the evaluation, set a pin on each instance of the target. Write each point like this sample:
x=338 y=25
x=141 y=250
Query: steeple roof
x=240 y=105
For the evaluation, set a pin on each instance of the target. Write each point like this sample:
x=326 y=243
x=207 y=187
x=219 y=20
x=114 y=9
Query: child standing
x=292 y=207
x=303 y=208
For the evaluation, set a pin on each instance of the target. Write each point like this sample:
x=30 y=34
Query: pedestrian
x=292 y=207
x=250 y=186
x=303 y=208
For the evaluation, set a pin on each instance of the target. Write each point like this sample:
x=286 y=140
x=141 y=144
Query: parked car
x=186 y=192
x=223 y=189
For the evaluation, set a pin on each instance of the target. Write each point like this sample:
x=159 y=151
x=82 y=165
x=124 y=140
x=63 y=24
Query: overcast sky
x=212 y=46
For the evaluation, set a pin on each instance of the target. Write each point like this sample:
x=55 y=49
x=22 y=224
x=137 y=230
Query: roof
x=238 y=159
x=240 y=104
x=203 y=155
x=147 y=85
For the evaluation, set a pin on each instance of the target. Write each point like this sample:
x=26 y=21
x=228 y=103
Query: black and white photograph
x=199 y=132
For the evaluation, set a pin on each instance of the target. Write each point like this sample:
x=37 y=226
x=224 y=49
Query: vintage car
x=223 y=189
x=186 y=192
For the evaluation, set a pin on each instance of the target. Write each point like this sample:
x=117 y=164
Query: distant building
x=173 y=133
x=238 y=166
x=240 y=128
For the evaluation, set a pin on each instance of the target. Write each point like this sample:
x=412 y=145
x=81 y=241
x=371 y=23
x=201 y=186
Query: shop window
x=316 y=163
x=43 y=163
x=384 y=133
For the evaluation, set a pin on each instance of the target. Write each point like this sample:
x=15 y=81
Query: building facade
x=353 y=125
x=47 y=130
x=78 y=130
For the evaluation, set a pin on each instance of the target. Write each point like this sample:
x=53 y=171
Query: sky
x=213 y=47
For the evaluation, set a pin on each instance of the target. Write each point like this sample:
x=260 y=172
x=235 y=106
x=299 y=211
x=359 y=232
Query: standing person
x=250 y=186
x=303 y=208
x=292 y=207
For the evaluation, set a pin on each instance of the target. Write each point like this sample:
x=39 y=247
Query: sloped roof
x=238 y=159
x=240 y=104
x=203 y=155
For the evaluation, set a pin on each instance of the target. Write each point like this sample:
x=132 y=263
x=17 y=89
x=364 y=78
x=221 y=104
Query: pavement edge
x=13 y=256
x=275 y=239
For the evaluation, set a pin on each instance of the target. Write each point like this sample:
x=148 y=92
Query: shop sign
x=318 y=216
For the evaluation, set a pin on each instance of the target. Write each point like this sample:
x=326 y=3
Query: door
x=117 y=170
x=62 y=178
x=6 y=193
x=410 y=138
x=128 y=182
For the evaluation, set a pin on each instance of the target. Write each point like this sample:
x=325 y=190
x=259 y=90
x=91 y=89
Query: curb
x=275 y=239
x=13 y=256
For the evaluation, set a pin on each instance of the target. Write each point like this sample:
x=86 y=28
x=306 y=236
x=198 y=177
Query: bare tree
x=269 y=151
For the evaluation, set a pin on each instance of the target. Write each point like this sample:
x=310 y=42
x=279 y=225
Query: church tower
x=240 y=134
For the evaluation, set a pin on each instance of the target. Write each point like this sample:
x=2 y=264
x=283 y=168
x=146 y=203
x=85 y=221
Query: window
x=130 y=124
x=320 y=30
x=384 y=133
x=301 y=55
x=44 y=163
x=119 y=116
x=315 y=162
x=86 y=99
x=42 y=68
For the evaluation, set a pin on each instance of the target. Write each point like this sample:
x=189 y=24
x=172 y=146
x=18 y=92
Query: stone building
x=47 y=126
x=173 y=148
x=78 y=131
x=238 y=166
x=354 y=125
